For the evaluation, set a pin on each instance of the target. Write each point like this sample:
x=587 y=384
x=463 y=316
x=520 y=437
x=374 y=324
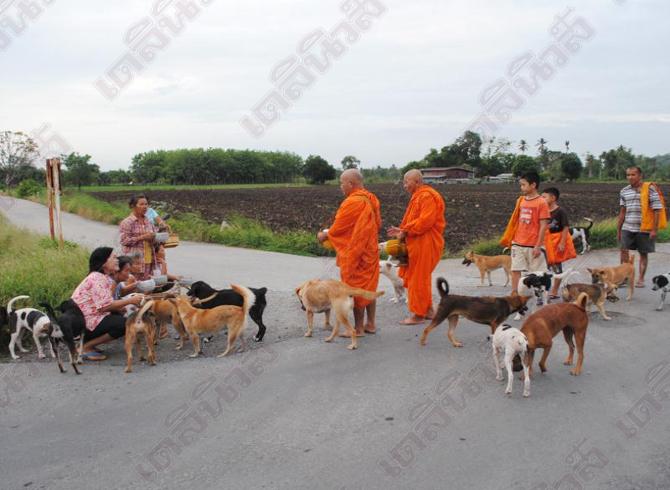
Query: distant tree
x=350 y=161
x=542 y=152
x=317 y=170
x=567 y=146
x=18 y=151
x=523 y=164
x=114 y=177
x=571 y=166
x=80 y=171
x=523 y=146
x=593 y=166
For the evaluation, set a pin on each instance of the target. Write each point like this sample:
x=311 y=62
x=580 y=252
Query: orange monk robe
x=424 y=225
x=354 y=234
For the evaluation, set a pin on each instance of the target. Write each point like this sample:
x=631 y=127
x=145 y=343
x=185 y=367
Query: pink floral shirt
x=93 y=294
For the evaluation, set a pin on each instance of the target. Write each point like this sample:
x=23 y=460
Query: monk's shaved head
x=351 y=180
x=412 y=180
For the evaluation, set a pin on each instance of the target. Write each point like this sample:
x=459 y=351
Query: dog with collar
x=510 y=342
x=542 y=326
x=211 y=298
x=661 y=283
x=30 y=319
x=583 y=234
x=486 y=264
x=66 y=329
x=487 y=310
x=387 y=268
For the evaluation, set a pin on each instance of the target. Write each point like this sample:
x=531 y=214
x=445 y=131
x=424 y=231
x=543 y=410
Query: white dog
x=512 y=342
x=29 y=319
x=387 y=268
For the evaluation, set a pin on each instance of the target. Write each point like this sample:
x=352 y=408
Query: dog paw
x=607 y=318
x=128 y=370
x=352 y=347
x=308 y=334
x=508 y=392
x=499 y=378
x=526 y=394
x=458 y=344
x=574 y=372
x=328 y=339
x=41 y=356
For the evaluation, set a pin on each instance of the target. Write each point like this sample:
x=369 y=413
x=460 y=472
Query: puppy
x=321 y=296
x=597 y=293
x=486 y=310
x=511 y=342
x=387 y=268
x=661 y=283
x=583 y=234
x=486 y=264
x=198 y=321
x=211 y=298
x=36 y=322
x=64 y=330
x=138 y=324
x=616 y=275
x=542 y=326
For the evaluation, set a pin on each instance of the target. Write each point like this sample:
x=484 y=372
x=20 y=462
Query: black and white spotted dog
x=661 y=283
x=35 y=321
x=536 y=284
x=583 y=234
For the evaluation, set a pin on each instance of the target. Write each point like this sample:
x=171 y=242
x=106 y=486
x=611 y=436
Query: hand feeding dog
x=486 y=264
x=542 y=326
x=198 y=321
x=661 y=283
x=616 y=275
x=210 y=298
x=141 y=323
x=30 y=319
x=387 y=268
x=322 y=296
x=510 y=342
x=582 y=233
x=487 y=310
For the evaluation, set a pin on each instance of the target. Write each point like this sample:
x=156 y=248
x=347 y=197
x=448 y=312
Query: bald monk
x=422 y=228
x=354 y=234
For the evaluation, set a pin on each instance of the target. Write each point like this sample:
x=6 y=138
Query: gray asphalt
x=299 y=413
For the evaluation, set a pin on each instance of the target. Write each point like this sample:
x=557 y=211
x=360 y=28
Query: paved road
x=298 y=413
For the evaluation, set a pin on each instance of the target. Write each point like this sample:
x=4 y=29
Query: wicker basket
x=172 y=241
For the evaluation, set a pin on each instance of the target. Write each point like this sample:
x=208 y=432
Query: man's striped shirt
x=629 y=197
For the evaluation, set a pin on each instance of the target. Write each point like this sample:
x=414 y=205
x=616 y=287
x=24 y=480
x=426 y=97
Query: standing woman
x=138 y=234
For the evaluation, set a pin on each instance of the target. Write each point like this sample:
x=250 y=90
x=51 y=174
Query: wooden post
x=50 y=200
x=54 y=189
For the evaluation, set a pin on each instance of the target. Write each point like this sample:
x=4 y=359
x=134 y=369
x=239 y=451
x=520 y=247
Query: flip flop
x=638 y=285
x=411 y=322
x=371 y=332
x=93 y=356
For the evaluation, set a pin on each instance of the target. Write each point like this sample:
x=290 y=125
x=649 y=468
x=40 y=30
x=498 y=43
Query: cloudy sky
x=412 y=81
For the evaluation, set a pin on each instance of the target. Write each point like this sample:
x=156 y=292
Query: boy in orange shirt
x=526 y=229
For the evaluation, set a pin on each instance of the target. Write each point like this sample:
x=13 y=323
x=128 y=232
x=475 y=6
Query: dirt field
x=473 y=211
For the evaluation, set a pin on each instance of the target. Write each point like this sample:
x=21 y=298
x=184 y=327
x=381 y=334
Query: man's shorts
x=523 y=260
x=639 y=241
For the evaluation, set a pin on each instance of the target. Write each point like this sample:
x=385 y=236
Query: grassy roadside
x=167 y=187
x=33 y=265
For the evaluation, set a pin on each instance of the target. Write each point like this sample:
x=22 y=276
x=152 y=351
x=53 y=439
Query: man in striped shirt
x=630 y=218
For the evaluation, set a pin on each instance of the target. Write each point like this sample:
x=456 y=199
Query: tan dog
x=140 y=323
x=542 y=326
x=166 y=312
x=598 y=294
x=616 y=275
x=198 y=321
x=321 y=296
x=487 y=310
x=486 y=264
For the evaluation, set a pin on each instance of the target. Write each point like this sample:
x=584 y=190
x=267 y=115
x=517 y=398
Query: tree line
x=19 y=161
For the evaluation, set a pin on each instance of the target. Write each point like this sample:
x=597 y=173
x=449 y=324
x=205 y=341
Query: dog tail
x=590 y=223
x=248 y=297
x=581 y=300
x=442 y=286
x=146 y=307
x=364 y=293
x=10 y=305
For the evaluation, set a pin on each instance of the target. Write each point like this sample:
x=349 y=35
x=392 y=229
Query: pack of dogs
x=203 y=311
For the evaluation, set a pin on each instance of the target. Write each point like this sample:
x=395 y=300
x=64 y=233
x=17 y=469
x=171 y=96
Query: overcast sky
x=411 y=82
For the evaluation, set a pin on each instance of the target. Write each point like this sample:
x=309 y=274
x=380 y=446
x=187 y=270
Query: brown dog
x=542 y=326
x=616 y=275
x=198 y=321
x=321 y=296
x=486 y=264
x=598 y=294
x=166 y=312
x=487 y=310
x=140 y=323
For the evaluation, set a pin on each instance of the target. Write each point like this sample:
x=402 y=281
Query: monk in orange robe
x=422 y=228
x=354 y=235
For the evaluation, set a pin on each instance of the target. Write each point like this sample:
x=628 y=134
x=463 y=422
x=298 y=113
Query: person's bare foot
x=413 y=320
x=347 y=335
x=639 y=284
x=370 y=328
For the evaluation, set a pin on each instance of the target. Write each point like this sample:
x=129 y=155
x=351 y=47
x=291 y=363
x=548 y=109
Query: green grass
x=169 y=187
x=33 y=265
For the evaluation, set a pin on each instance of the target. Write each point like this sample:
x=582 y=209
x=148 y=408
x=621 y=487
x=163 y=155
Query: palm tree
x=523 y=146
x=542 y=145
x=567 y=146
